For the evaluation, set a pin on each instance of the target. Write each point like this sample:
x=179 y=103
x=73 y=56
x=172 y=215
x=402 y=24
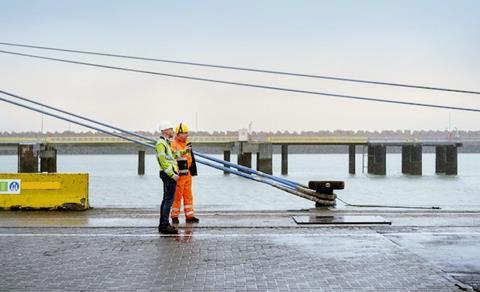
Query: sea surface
x=114 y=183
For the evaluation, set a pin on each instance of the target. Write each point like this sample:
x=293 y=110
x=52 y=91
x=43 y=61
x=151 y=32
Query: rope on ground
x=389 y=206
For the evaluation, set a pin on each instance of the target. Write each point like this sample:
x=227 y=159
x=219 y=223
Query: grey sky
x=421 y=42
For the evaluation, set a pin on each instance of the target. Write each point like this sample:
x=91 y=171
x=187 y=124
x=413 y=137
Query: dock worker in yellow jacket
x=184 y=183
x=169 y=175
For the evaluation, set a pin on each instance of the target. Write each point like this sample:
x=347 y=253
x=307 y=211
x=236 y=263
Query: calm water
x=114 y=183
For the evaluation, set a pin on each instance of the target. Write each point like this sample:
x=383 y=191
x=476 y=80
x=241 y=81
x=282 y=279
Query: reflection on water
x=114 y=183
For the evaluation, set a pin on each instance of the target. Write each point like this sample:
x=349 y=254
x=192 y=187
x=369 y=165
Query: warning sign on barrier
x=52 y=191
x=10 y=186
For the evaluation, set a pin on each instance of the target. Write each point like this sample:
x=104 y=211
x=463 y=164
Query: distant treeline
x=371 y=134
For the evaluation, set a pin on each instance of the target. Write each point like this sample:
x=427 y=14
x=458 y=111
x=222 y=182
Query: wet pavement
x=120 y=249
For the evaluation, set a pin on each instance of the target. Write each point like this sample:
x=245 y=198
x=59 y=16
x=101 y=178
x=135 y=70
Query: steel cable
x=246 y=69
x=371 y=99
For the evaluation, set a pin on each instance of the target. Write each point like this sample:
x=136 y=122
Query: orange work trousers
x=184 y=191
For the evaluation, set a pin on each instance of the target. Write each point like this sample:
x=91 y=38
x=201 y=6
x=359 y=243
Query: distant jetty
x=470 y=140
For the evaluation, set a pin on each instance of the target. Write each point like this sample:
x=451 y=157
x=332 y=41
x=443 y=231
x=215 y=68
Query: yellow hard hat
x=181 y=128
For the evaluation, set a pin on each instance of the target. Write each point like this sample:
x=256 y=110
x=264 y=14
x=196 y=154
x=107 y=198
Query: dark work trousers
x=169 y=187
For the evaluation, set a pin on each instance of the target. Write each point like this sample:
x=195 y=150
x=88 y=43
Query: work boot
x=167 y=229
x=192 y=220
x=175 y=220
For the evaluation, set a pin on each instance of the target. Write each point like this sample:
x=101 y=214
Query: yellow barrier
x=44 y=191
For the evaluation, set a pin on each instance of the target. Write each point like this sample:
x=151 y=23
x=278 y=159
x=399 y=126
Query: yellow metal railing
x=108 y=140
x=318 y=140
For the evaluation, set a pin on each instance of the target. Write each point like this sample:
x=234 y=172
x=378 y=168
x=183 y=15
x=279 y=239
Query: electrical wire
x=246 y=84
x=245 y=69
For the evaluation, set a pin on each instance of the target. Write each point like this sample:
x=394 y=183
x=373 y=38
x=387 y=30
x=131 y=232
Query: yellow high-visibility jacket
x=166 y=157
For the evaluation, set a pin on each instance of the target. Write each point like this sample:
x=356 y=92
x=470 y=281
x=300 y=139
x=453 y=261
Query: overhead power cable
x=246 y=69
x=247 y=84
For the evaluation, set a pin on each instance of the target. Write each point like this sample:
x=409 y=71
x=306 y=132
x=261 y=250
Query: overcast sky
x=433 y=43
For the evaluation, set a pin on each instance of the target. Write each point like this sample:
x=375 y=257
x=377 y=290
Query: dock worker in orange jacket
x=184 y=183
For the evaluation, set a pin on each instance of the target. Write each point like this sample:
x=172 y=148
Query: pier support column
x=27 y=159
x=377 y=162
x=285 y=159
x=226 y=157
x=370 y=156
x=406 y=153
x=416 y=160
x=440 y=159
x=380 y=160
x=451 y=167
x=412 y=159
x=244 y=158
x=351 y=159
x=48 y=158
x=141 y=162
x=264 y=158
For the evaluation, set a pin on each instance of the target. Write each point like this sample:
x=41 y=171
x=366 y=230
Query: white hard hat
x=165 y=125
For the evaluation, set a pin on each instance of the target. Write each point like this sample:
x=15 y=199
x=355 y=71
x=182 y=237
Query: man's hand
x=175 y=177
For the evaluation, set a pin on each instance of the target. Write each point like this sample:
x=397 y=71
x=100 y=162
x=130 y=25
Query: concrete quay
x=120 y=249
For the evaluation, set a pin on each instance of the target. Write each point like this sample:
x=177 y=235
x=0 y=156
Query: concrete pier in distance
x=351 y=159
x=377 y=159
x=27 y=159
x=284 y=159
x=412 y=159
x=264 y=158
x=48 y=158
x=141 y=162
x=226 y=157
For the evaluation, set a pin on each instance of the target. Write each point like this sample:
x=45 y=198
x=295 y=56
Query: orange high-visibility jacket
x=179 y=146
x=184 y=186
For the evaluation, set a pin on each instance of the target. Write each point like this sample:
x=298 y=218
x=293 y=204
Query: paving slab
x=210 y=261
x=121 y=250
x=149 y=218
